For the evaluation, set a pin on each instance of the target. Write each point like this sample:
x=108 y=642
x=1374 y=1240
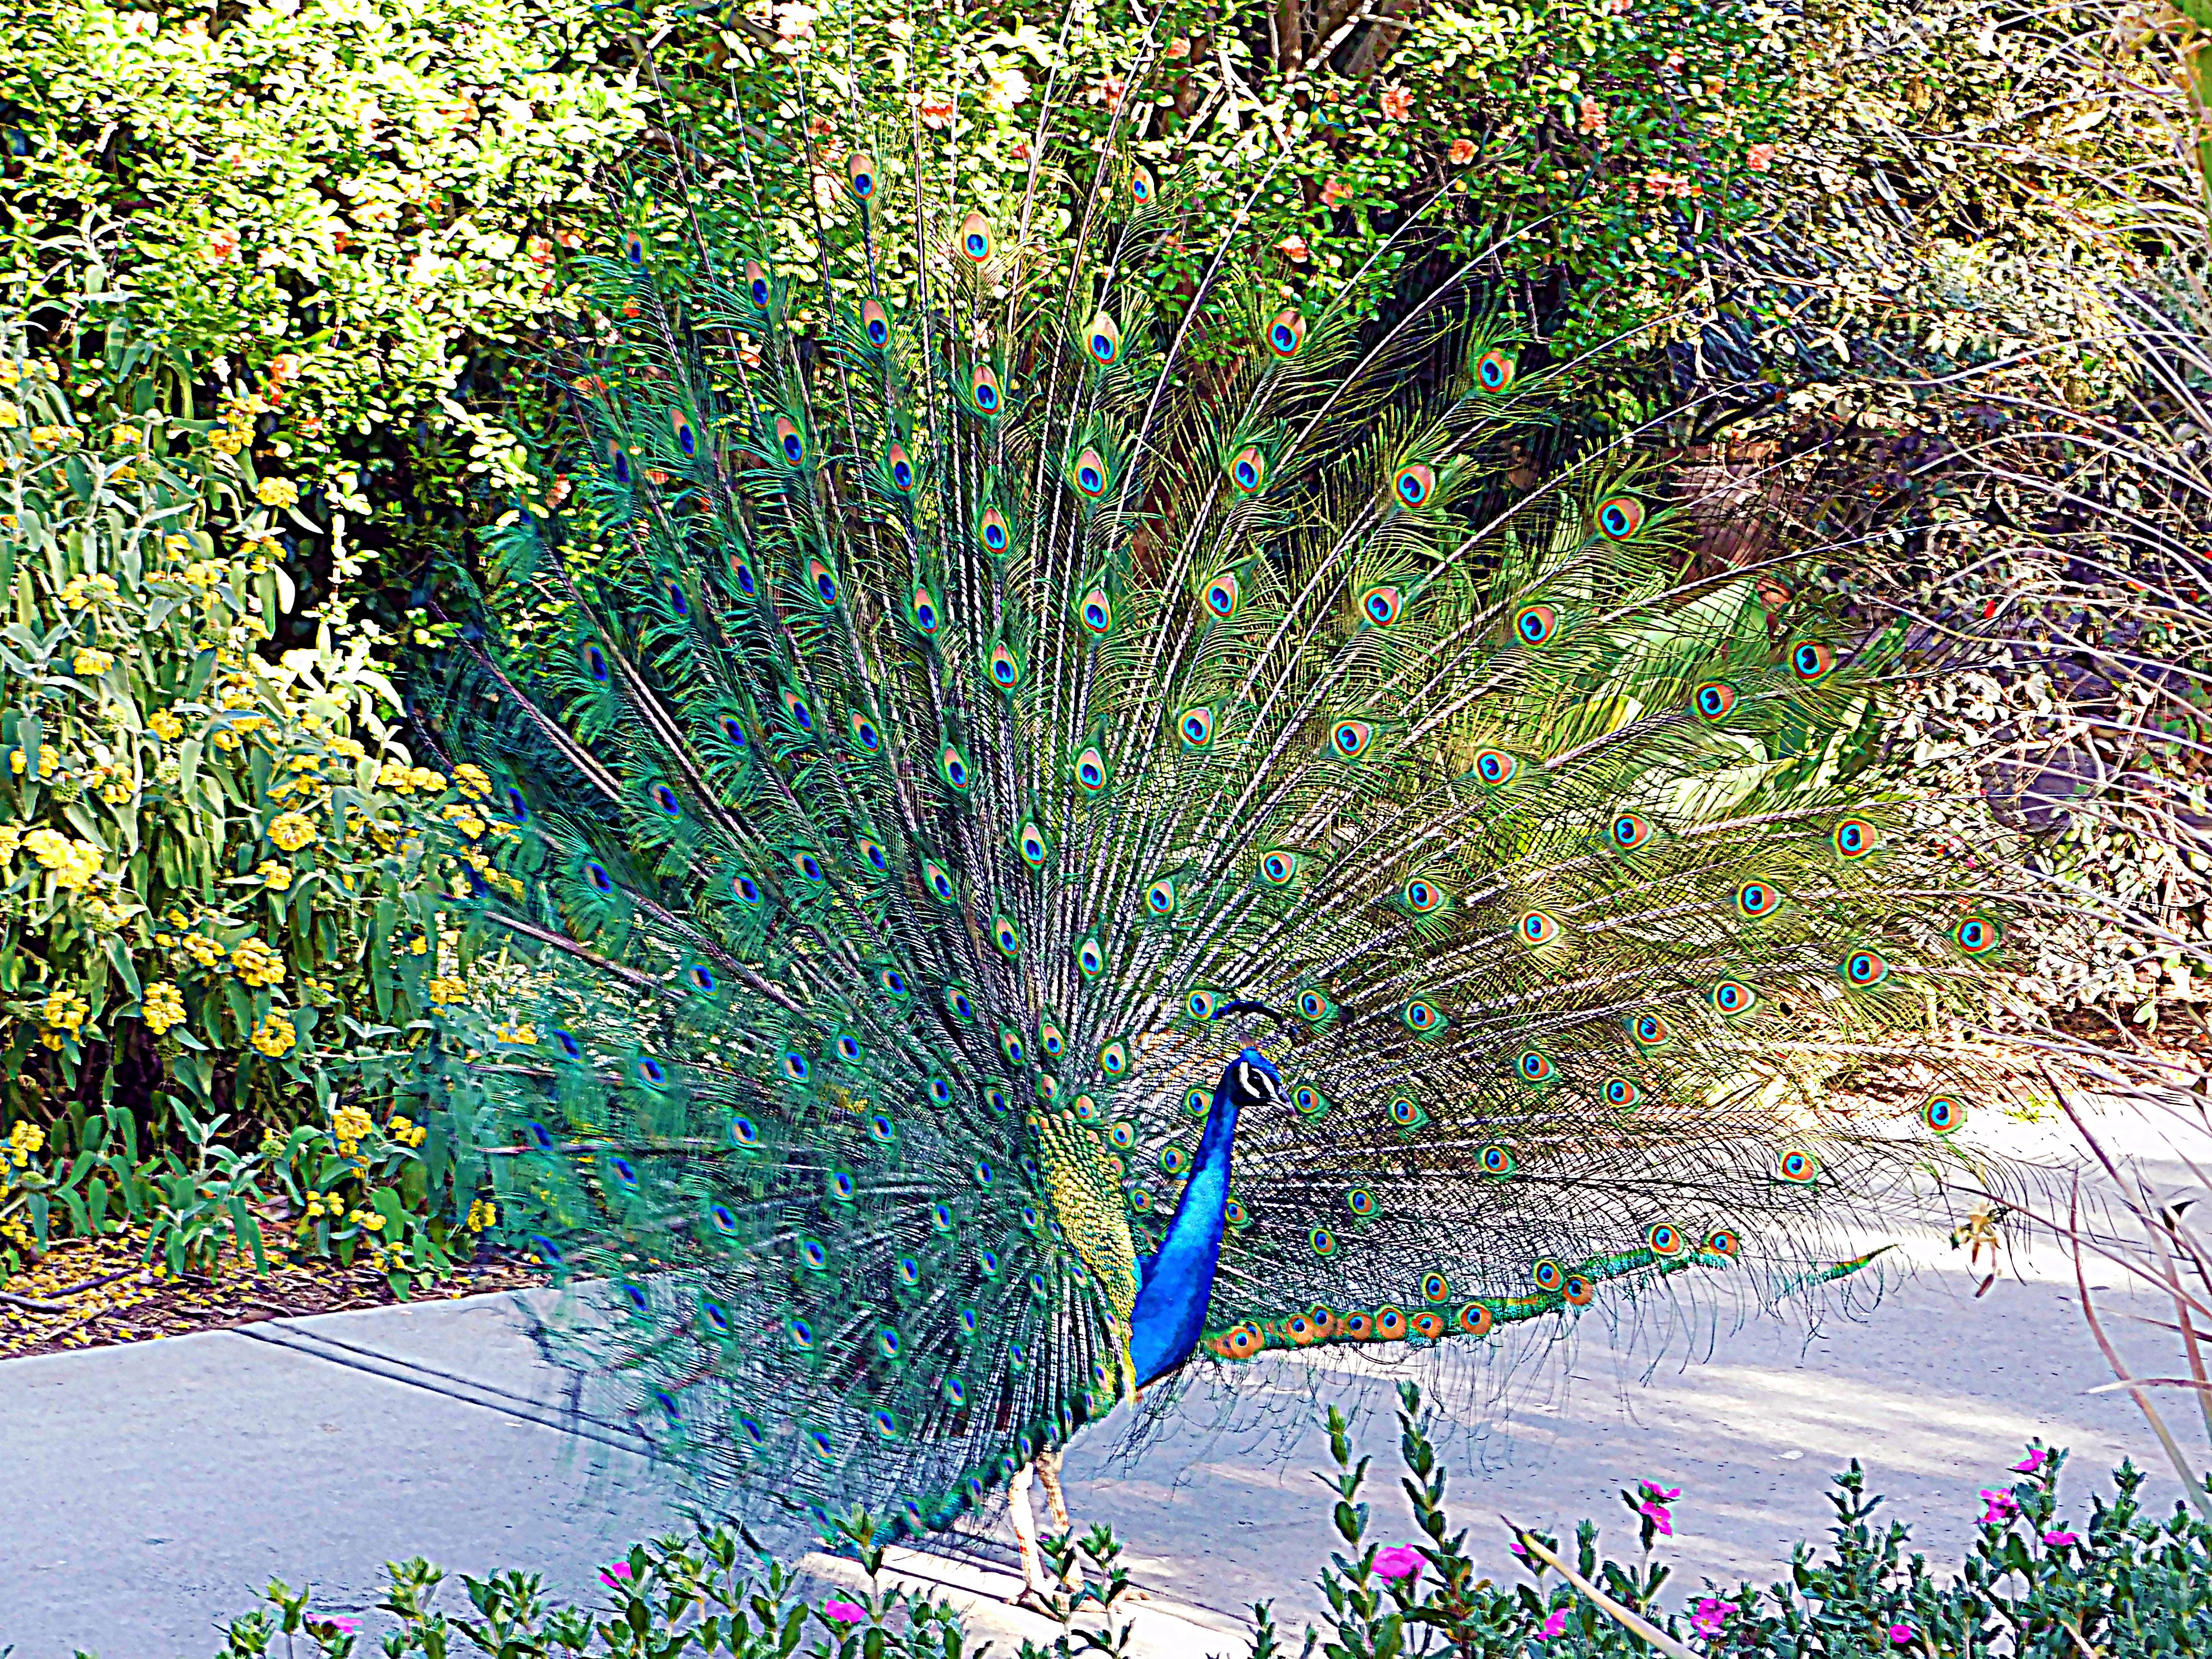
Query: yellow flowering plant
x=221 y=875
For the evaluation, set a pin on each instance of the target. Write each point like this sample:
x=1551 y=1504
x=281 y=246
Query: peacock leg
x=1048 y=1469
x=1036 y=1595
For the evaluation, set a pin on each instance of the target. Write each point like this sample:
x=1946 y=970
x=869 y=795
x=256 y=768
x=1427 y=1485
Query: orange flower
x=1108 y=92
x=285 y=366
x=1593 y=117
x=540 y=252
x=1334 y=193
x=1462 y=152
x=936 y=112
x=1397 y=103
x=221 y=246
x=1294 y=248
x=1761 y=157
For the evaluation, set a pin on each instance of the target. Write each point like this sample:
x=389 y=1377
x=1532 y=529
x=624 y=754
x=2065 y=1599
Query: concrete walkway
x=149 y=1491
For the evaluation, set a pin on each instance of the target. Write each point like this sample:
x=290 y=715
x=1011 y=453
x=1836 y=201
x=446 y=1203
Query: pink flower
x=1397 y=103
x=1461 y=152
x=1591 y=118
x=1656 y=1500
x=1294 y=248
x=612 y=1576
x=344 y=1623
x=221 y=246
x=2059 y=1540
x=1399 y=1561
x=1761 y=157
x=1710 y=1616
x=1555 y=1625
x=2003 y=1506
x=1519 y=1550
x=1900 y=1634
x=844 y=1613
x=2031 y=1462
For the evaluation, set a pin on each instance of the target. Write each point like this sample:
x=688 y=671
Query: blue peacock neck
x=1175 y=1282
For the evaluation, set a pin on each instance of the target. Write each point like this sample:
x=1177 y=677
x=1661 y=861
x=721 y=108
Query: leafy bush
x=223 y=883
x=2118 y=1582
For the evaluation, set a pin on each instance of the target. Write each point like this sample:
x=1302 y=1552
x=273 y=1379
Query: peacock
x=1076 y=825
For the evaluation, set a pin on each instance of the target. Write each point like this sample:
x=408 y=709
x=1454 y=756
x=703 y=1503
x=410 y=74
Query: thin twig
x=1605 y=1604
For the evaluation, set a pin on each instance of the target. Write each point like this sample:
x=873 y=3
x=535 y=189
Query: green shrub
x=2034 y=1586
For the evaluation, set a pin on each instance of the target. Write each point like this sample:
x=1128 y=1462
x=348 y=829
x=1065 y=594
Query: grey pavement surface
x=148 y=1491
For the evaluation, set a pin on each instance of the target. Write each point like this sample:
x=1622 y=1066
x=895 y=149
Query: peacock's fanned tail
x=989 y=697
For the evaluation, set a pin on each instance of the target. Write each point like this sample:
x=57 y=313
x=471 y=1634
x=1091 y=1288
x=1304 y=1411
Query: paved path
x=146 y=1492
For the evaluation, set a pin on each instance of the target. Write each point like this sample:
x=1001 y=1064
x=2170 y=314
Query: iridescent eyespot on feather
x=1495 y=1161
x=991 y=530
x=1301 y=1330
x=618 y=463
x=1224 y=595
x=718 y=1321
x=1359 y=1326
x=1976 y=935
x=1943 y=1113
x=898 y=468
x=1241 y=1342
x=800 y=1333
x=1797 y=1166
x=596 y=873
x=1536 y=625
x=1286 y=332
x=1279 y=869
x=1621 y=1092
x=1620 y=517
x=983 y=388
x=1200 y=1005
x=1382 y=605
x=1732 y=997
x=1493 y=370
x=860 y=169
x=1140 y=185
x=1103 y=339
x=823 y=580
x=700 y=979
x=756 y=284
x=1758 y=899
x=939 y=1092
x=1537 y=927
x=796 y=1066
x=882 y=1130
x=1004 y=667
x=1005 y=935
x=595 y=663
x=1629 y=831
x=894 y=984
x=847 y=1048
x=795 y=706
x=864 y=734
x=566 y=1041
x=745 y=889
x=1435 y=1287
x=634 y=249
x=1549 y=1277
x=1089 y=958
x=1030 y=842
x=1723 y=1241
x=958 y=1004
x=975 y=242
x=1160 y=897
x=1475 y=1320
x=686 y=441
x=1428 y=1324
x=1863 y=969
x=1122 y=1136
x=952 y=766
x=734 y=731
x=1578 y=1291
x=875 y=324
x=1812 y=659
x=814 y=1254
x=1533 y=1065
x=1649 y=1031
x=1323 y=1241
x=1713 y=700
x=1390 y=1324
x=1413 y=485
x=1494 y=767
x=1854 y=838
x=1350 y=739
x=744 y=1132
x=741 y=575
x=923 y=610
x=1090 y=770
x=1422 y=1017
x=1314 y=1006
x=1197 y=1102
x=1663 y=1239
x=1360 y=1201
x=1422 y=895
x=1089 y=474
x=1095 y=612
x=789 y=441
x=625 y=1173
x=1113 y=1058
x=809 y=866
x=1051 y=1039
x=664 y=799
x=985 y=1174
x=1248 y=471
x=1404 y=1113
x=1174 y=1160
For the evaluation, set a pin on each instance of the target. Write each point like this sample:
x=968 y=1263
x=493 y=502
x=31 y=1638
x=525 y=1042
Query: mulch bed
x=99 y=1292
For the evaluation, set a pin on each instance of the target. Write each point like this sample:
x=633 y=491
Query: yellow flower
x=176 y=546
x=9 y=415
x=351 y=1123
x=291 y=831
x=49 y=759
x=422 y=944
x=472 y=781
x=255 y=963
x=443 y=988
x=64 y=1011
x=162 y=1007
x=26 y=1137
x=481 y=1216
x=274 y=1035
x=201 y=573
x=202 y=949
x=274 y=874
x=73 y=863
x=80 y=591
x=277 y=492
x=165 y=725
x=90 y=663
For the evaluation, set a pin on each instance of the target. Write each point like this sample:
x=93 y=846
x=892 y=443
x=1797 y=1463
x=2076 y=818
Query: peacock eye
x=1620 y=517
x=1104 y=339
x=1286 y=332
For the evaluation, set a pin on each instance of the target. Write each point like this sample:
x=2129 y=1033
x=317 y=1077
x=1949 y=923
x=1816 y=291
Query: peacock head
x=1252 y=1080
